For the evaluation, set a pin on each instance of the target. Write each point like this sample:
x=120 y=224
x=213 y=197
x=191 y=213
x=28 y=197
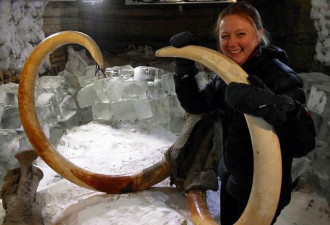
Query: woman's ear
x=260 y=33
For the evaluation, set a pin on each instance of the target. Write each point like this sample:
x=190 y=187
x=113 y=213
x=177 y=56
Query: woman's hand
x=184 y=67
x=258 y=100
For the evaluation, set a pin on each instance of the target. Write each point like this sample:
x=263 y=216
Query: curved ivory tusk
x=198 y=208
x=265 y=193
x=41 y=144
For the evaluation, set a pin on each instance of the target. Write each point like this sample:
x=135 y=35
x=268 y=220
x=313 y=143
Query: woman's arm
x=196 y=101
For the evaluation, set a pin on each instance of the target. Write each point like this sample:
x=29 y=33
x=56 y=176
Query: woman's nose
x=232 y=41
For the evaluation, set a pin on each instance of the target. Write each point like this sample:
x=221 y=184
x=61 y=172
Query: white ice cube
x=145 y=73
x=67 y=107
x=142 y=109
x=134 y=90
x=109 y=89
x=8 y=94
x=10 y=118
x=155 y=89
x=168 y=83
x=87 y=96
x=124 y=110
x=47 y=108
x=161 y=111
x=102 y=111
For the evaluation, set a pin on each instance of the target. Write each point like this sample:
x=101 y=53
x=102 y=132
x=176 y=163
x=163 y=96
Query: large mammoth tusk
x=41 y=144
x=267 y=175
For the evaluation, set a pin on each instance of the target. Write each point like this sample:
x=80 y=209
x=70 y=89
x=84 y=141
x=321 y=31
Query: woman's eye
x=224 y=36
x=240 y=34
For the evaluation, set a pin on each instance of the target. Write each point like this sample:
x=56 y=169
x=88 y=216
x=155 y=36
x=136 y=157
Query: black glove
x=256 y=81
x=258 y=100
x=183 y=66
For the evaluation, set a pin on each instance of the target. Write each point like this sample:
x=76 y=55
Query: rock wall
x=21 y=31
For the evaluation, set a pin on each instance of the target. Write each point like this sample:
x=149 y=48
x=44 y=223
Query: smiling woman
x=275 y=94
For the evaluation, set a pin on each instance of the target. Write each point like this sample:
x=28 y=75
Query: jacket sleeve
x=261 y=102
x=197 y=101
x=285 y=84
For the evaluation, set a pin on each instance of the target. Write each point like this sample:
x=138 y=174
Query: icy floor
x=128 y=149
x=104 y=149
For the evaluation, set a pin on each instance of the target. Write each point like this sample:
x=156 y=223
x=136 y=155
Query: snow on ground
x=103 y=149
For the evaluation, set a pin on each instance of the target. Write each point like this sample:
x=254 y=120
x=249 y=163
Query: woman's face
x=238 y=38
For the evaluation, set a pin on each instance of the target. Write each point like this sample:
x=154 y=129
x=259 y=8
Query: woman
x=273 y=95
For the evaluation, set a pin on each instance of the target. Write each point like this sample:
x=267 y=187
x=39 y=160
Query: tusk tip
x=161 y=52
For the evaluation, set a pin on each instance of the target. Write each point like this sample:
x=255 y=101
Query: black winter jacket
x=269 y=64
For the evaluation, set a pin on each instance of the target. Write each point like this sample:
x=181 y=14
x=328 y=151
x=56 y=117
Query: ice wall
x=21 y=30
x=320 y=13
x=79 y=94
x=315 y=167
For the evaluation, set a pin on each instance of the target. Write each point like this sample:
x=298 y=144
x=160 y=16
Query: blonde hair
x=249 y=12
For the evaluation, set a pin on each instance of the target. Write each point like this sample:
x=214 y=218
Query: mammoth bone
x=264 y=194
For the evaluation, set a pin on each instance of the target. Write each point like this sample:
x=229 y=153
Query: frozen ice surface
x=8 y=94
x=102 y=112
x=168 y=83
x=141 y=208
x=90 y=70
x=135 y=90
x=300 y=166
x=7 y=136
x=86 y=80
x=24 y=143
x=9 y=146
x=319 y=100
x=110 y=89
x=161 y=111
x=47 y=108
x=2 y=107
x=72 y=81
x=142 y=109
x=126 y=71
x=53 y=84
x=55 y=133
x=145 y=73
x=115 y=89
x=112 y=71
x=176 y=115
x=155 y=89
x=85 y=115
x=124 y=110
x=10 y=118
x=89 y=76
x=68 y=108
x=87 y=96
x=311 y=79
